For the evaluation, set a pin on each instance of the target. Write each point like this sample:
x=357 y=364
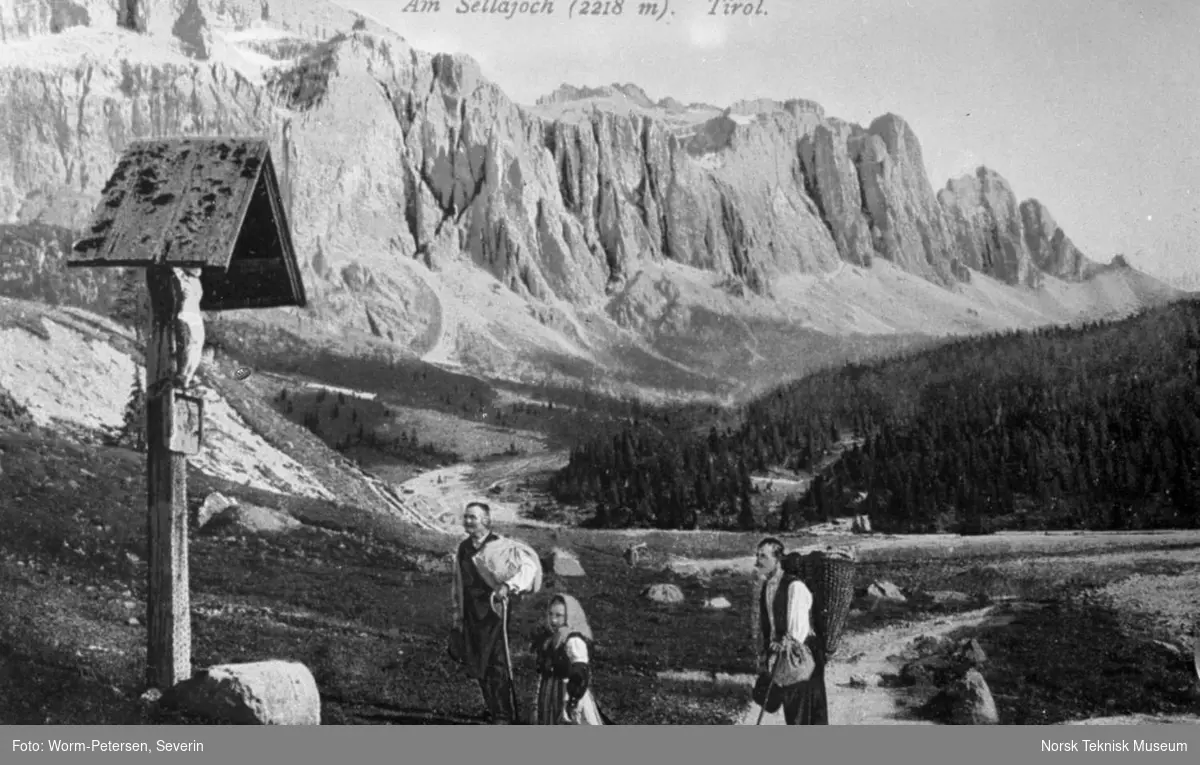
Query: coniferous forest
x=1096 y=427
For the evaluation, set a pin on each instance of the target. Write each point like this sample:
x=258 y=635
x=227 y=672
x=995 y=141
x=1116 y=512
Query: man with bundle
x=791 y=662
x=488 y=571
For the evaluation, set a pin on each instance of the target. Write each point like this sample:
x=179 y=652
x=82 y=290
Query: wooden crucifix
x=203 y=217
x=174 y=425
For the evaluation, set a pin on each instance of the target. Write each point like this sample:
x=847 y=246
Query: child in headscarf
x=564 y=671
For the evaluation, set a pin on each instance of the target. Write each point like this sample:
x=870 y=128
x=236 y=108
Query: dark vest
x=477 y=595
x=779 y=610
x=553 y=661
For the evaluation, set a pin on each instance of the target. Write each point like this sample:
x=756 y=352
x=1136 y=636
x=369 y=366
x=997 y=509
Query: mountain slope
x=71 y=372
x=591 y=237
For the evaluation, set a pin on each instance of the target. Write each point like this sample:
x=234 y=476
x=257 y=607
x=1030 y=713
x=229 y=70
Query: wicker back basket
x=830 y=577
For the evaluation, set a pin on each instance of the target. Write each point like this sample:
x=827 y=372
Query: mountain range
x=597 y=238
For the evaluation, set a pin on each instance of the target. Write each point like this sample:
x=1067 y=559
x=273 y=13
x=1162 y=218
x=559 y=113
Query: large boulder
x=965 y=700
x=564 y=562
x=883 y=594
x=214 y=504
x=260 y=693
x=940 y=662
x=972 y=701
x=253 y=519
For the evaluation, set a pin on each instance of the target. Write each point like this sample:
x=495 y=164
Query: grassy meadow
x=362 y=601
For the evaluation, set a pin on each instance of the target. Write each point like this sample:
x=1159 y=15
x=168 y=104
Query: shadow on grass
x=1069 y=660
x=43 y=685
x=65 y=661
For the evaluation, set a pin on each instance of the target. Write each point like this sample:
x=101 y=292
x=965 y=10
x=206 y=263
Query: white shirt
x=798 y=610
x=577 y=652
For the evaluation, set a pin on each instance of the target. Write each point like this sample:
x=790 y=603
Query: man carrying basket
x=800 y=612
x=791 y=661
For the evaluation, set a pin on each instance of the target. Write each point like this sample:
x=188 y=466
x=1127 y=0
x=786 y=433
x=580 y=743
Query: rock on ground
x=972 y=652
x=884 y=592
x=663 y=593
x=564 y=562
x=260 y=693
x=939 y=662
x=253 y=518
x=213 y=505
x=972 y=701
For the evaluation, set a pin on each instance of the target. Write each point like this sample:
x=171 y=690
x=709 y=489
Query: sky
x=1090 y=106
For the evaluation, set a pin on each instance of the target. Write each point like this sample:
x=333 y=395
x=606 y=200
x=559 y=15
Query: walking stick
x=512 y=684
x=1196 y=651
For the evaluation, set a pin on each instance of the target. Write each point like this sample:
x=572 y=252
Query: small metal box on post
x=204 y=217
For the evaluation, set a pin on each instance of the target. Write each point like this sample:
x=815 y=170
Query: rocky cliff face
x=65 y=125
x=184 y=20
x=401 y=168
x=986 y=221
x=1052 y=251
x=1019 y=243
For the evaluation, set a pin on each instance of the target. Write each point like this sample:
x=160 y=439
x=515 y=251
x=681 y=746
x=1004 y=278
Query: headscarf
x=576 y=622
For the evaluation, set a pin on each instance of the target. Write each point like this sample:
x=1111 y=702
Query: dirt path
x=440 y=495
x=866 y=655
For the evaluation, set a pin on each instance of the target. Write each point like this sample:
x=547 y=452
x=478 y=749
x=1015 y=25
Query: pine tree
x=133 y=426
x=789 y=510
x=601 y=519
x=131 y=306
x=746 y=512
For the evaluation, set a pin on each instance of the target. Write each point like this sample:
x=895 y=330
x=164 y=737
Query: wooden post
x=168 y=603
x=221 y=245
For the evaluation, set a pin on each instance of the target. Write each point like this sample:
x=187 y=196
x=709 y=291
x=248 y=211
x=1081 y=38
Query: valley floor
x=361 y=600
